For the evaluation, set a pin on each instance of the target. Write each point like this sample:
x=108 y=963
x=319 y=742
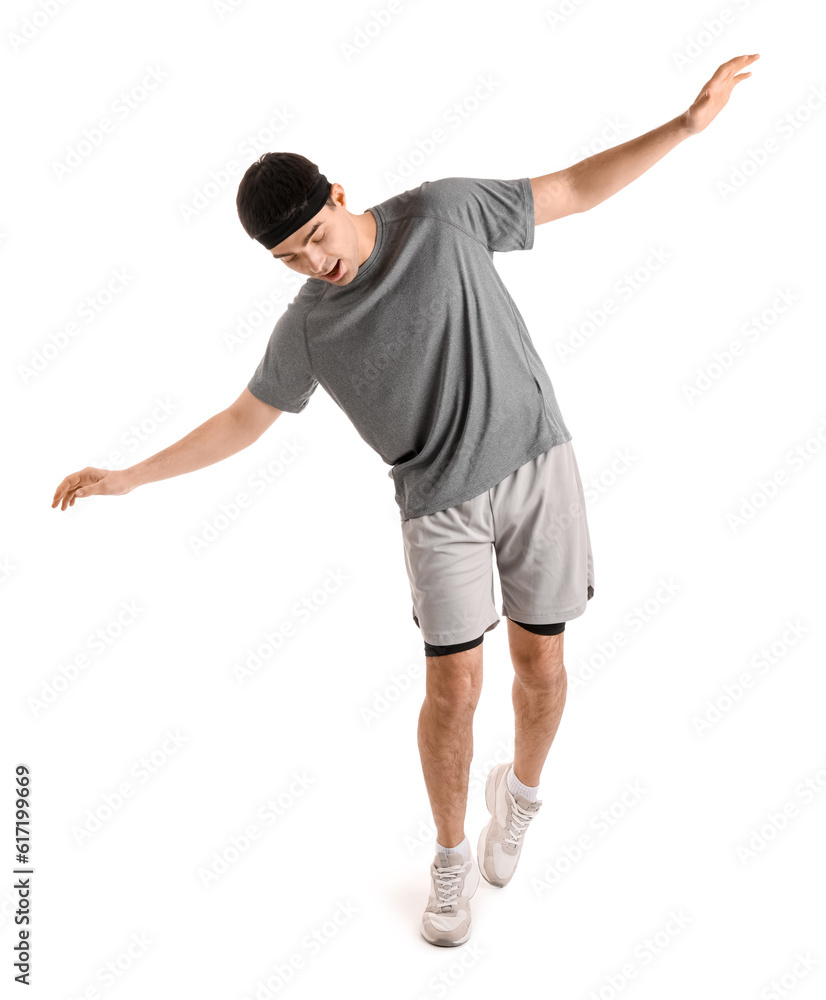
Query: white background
x=727 y=832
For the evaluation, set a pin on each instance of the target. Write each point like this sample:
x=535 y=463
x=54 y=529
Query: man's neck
x=366 y=228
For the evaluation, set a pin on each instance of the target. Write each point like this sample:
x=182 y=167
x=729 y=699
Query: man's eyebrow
x=304 y=243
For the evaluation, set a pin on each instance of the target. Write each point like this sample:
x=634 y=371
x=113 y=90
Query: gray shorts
x=534 y=521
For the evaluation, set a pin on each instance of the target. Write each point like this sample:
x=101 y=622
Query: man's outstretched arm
x=590 y=181
x=234 y=428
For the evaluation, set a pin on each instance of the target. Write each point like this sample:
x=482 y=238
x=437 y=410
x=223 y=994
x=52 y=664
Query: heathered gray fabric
x=425 y=350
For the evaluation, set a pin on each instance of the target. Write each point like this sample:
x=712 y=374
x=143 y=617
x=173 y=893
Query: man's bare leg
x=540 y=686
x=454 y=683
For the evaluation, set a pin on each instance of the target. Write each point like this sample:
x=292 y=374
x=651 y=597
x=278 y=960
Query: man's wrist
x=132 y=477
x=682 y=125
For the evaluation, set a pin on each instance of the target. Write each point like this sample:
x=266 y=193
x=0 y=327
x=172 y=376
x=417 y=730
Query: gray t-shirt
x=424 y=350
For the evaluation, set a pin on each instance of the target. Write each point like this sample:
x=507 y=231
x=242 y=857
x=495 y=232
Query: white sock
x=464 y=847
x=515 y=786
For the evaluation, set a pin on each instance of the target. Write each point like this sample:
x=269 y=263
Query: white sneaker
x=446 y=919
x=500 y=843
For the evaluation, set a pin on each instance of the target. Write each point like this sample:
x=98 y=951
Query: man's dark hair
x=274 y=188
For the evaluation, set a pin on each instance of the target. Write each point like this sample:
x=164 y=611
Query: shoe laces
x=447 y=885
x=519 y=823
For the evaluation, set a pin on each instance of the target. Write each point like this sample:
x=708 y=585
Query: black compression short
x=460 y=647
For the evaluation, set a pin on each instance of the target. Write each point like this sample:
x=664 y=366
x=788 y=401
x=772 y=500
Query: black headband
x=316 y=198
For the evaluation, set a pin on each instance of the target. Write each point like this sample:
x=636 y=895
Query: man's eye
x=288 y=260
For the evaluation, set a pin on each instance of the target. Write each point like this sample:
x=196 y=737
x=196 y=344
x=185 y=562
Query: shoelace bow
x=447 y=885
x=519 y=822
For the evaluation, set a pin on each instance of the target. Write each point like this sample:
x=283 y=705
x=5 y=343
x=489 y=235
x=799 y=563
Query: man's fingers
x=63 y=491
x=85 y=489
x=84 y=482
x=741 y=59
x=58 y=493
x=723 y=75
x=727 y=69
x=739 y=62
x=68 y=498
x=72 y=495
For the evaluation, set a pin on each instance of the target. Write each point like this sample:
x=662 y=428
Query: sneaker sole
x=490 y=802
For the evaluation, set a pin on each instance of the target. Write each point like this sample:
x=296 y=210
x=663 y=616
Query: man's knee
x=537 y=658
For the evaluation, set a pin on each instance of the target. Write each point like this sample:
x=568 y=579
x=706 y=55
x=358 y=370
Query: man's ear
x=336 y=193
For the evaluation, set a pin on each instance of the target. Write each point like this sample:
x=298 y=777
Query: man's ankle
x=448 y=841
x=462 y=845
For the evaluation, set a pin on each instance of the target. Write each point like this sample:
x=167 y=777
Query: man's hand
x=715 y=94
x=92 y=482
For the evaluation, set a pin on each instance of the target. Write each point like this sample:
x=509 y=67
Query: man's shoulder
x=445 y=197
x=400 y=204
x=424 y=195
x=440 y=200
x=305 y=297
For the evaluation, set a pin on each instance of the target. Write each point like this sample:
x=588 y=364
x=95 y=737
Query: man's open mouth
x=336 y=271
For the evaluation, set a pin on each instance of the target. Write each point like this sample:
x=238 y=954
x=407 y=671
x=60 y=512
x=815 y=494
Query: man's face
x=327 y=244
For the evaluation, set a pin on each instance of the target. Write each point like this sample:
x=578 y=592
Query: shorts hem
x=454 y=638
x=552 y=618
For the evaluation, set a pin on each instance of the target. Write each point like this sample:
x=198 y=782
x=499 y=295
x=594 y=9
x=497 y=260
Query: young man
x=408 y=326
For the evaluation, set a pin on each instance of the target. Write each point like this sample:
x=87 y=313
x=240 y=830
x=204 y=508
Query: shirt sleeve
x=498 y=213
x=283 y=377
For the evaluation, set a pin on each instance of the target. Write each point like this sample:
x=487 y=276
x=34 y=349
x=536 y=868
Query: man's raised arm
x=228 y=432
x=590 y=181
